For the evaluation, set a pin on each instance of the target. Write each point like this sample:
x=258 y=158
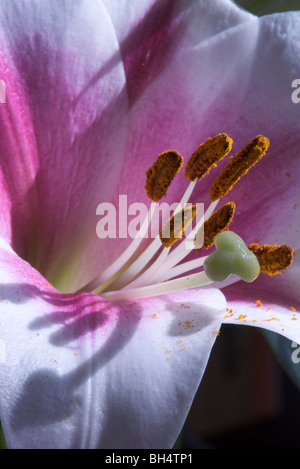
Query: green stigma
x=231 y=257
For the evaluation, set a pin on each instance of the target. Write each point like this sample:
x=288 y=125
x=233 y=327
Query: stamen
x=162 y=173
x=136 y=276
x=272 y=258
x=112 y=272
x=167 y=260
x=217 y=223
x=238 y=166
x=173 y=229
x=183 y=250
x=182 y=268
x=139 y=264
x=207 y=155
x=115 y=272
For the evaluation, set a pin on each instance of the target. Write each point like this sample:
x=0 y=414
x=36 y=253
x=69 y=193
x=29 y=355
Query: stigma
x=161 y=267
x=231 y=257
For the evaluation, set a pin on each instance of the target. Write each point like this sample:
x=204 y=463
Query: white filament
x=125 y=278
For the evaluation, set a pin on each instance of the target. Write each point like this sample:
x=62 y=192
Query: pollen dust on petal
x=181 y=345
x=229 y=314
x=242 y=317
x=188 y=324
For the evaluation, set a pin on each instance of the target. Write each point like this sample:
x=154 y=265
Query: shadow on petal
x=46 y=396
x=18 y=293
x=190 y=318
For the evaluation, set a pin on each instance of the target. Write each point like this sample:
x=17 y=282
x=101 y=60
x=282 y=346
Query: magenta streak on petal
x=146 y=50
x=73 y=128
x=19 y=162
x=71 y=170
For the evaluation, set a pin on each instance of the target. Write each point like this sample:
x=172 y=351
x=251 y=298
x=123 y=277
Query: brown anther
x=207 y=155
x=173 y=229
x=272 y=259
x=217 y=223
x=238 y=166
x=162 y=173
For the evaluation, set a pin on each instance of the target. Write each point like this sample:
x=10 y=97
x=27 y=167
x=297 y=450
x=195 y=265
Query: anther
x=217 y=223
x=272 y=259
x=238 y=166
x=162 y=173
x=173 y=229
x=207 y=155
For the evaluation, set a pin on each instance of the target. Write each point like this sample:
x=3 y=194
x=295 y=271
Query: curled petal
x=272 y=303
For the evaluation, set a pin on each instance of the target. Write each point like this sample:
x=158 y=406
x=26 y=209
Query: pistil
x=190 y=281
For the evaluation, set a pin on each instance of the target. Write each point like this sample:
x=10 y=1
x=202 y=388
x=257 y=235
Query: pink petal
x=65 y=116
x=190 y=84
x=238 y=82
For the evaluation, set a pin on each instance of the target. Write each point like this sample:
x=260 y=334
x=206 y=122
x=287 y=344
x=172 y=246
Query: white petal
x=78 y=372
x=272 y=303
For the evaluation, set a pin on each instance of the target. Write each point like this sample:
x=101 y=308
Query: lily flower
x=97 y=351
